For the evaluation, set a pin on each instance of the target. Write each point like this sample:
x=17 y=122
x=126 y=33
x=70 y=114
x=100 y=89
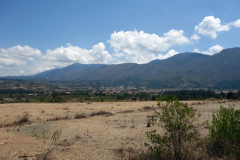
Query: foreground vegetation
x=182 y=140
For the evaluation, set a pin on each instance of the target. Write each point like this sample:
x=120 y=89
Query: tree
x=230 y=95
x=177 y=120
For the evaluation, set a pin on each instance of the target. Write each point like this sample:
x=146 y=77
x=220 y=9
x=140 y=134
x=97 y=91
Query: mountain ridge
x=181 y=70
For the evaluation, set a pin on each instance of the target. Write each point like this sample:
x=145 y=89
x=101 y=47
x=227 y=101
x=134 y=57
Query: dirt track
x=93 y=137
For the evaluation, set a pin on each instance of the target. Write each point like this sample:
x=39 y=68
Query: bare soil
x=106 y=136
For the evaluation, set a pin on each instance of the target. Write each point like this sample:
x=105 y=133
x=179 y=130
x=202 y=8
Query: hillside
x=182 y=70
x=59 y=74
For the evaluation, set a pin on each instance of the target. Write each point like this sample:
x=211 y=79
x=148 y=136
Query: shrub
x=180 y=132
x=225 y=132
x=101 y=113
x=147 y=108
x=79 y=116
x=23 y=119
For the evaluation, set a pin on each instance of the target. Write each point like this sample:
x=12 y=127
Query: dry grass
x=94 y=137
x=24 y=119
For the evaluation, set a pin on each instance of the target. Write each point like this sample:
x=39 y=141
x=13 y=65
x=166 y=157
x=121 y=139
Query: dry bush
x=79 y=116
x=127 y=111
x=23 y=119
x=147 y=108
x=58 y=118
x=101 y=113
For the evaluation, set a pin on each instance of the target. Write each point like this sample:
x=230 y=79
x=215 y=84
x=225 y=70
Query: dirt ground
x=54 y=133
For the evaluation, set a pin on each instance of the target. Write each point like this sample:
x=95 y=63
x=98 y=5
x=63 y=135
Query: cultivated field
x=53 y=132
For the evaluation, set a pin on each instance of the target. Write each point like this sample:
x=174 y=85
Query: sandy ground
x=93 y=137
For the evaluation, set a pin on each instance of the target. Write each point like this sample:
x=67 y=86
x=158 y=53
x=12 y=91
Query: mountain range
x=184 y=70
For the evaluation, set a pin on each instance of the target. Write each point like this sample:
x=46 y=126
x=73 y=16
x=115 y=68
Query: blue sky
x=40 y=35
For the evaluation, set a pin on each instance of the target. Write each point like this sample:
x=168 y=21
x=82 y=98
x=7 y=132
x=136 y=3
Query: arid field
x=55 y=132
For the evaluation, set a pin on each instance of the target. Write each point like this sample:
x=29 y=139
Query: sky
x=40 y=35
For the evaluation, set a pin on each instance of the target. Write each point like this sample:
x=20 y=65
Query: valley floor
x=106 y=136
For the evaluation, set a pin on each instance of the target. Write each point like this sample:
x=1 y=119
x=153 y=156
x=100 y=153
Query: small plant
x=77 y=136
x=56 y=135
x=23 y=119
x=148 y=123
x=79 y=116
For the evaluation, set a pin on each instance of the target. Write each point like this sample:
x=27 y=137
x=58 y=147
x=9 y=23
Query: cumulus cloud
x=76 y=54
x=195 y=37
x=31 y=59
x=140 y=47
x=210 y=26
x=19 y=52
x=18 y=59
x=118 y=55
x=168 y=55
x=236 y=23
x=11 y=62
x=17 y=55
x=211 y=51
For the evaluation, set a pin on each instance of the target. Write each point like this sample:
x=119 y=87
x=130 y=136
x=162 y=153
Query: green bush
x=102 y=100
x=225 y=132
x=177 y=119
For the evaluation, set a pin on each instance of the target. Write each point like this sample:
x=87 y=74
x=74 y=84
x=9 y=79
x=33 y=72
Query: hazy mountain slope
x=162 y=69
x=106 y=72
x=69 y=71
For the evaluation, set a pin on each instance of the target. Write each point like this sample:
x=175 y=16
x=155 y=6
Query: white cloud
x=195 y=37
x=77 y=54
x=11 y=62
x=196 y=50
x=236 y=23
x=140 y=47
x=211 y=51
x=19 y=52
x=169 y=54
x=210 y=26
x=118 y=55
x=17 y=55
x=29 y=61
